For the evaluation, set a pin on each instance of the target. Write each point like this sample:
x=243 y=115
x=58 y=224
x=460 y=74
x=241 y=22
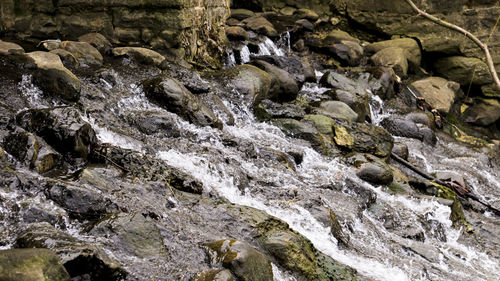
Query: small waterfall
x=268 y=48
x=377 y=109
x=245 y=54
x=284 y=41
x=230 y=59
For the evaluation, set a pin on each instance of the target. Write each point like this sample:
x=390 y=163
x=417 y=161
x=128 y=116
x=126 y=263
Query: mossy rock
x=31 y=265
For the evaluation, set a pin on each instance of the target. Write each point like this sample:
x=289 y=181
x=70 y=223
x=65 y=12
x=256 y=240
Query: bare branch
x=483 y=46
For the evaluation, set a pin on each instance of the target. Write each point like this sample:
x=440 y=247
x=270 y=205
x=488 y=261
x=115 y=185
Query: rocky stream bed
x=298 y=152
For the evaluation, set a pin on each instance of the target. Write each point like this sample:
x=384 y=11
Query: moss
x=342 y=137
x=395 y=187
x=457 y=212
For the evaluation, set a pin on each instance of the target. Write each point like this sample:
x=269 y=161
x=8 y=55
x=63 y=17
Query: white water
x=245 y=54
x=268 y=48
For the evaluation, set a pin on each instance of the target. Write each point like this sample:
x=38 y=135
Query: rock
x=214 y=275
x=189 y=78
x=62 y=128
x=8 y=48
x=174 y=97
x=323 y=124
x=83 y=52
x=393 y=57
x=304 y=24
x=339 y=81
x=306 y=14
x=438 y=92
x=32 y=151
x=241 y=14
x=140 y=55
x=31 y=265
x=306 y=130
x=362 y=137
x=260 y=25
x=98 y=41
x=462 y=70
x=245 y=262
x=66 y=57
x=364 y=195
x=375 y=173
x=153 y=122
x=359 y=104
x=401 y=128
x=347 y=52
x=425 y=119
x=236 y=33
x=337 y=36
x=288 y=11
x=247 y=80
x=287 y=110
x=296 y=66
x=428 y=136
x=78 y=257
x=134 y=233
x=80 y=202
x=484 y=112
x=52 y=77
x=410 y=47
x=283 y=86
x=337 y=110
x=336 y=230
x=401 y=150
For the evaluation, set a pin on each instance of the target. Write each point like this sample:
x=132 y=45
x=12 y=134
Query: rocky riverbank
x=148 y=140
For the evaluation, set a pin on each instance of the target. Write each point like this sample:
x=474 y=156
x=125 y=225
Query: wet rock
x=133 y=233
x=154 y=122
x=392 y=57
x=336 y=230
x=52 y=77
x=288 y=11
x=365 y=195
x=306 y=130
x=296 y=66
x=420 y=118
x=260 y=25
x=401 y=150
x=460 y=69
x=80 y=202
x=236 y=33
x=241 y=14
x=50 y=45
x=32 y=151
x=85 y=53
x=337 y=110
x=304 y=24
x=438 y=92
x=79 y=258
x=410 y=47
x=31 y=265
x=62 y=128
x=189 y=78
x=8 y=48
x=322 y=123
x=66 y=57
x=283 y=85
x=214 y=275
x=339 y=81
x=483 y=113
x=347 y=52
x=140 y=55
x=375 y=173
x=359 y=104
x=337 y=36
x=174 y=97
x=306 y=14
x=401 y=128
x=34 y=213
x=428 y=136
x=98 y=41
x=278 y=110
x=247 y=80
x=366 y=138
x=243 y=260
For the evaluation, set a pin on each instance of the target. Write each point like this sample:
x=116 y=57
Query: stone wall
x=193 y=28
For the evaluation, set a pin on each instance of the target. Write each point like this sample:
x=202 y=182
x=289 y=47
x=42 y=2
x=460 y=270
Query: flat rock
x=438 y=92
x=141 y=55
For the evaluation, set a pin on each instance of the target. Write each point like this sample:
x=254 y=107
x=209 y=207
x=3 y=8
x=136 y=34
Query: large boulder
x=31 y=265
x=362 y=137
x=133 y=233
x=62 y=127
x=393 y=57
x=338 y=44
x=359 y=104
x=98 y=41
x=52 y=77
x=375 y=173
x=32 y=151
x=78 y=257
x=463 y=70
x=438 y=92
x=260 y=25
x=172 y=95
x=283 y=85
x=85 y=53
x=247 y=80
x=244 y=261
x=8 y=48
x=483 y=113
x=337 y=110
x=141 y=55
x=81 y=202
x=298 y=67
x=410 y=48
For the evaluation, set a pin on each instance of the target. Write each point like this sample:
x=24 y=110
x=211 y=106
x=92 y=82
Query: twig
x=484 y=47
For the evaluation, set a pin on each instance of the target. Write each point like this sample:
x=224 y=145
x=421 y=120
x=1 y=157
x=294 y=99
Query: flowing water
x=381 y=236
